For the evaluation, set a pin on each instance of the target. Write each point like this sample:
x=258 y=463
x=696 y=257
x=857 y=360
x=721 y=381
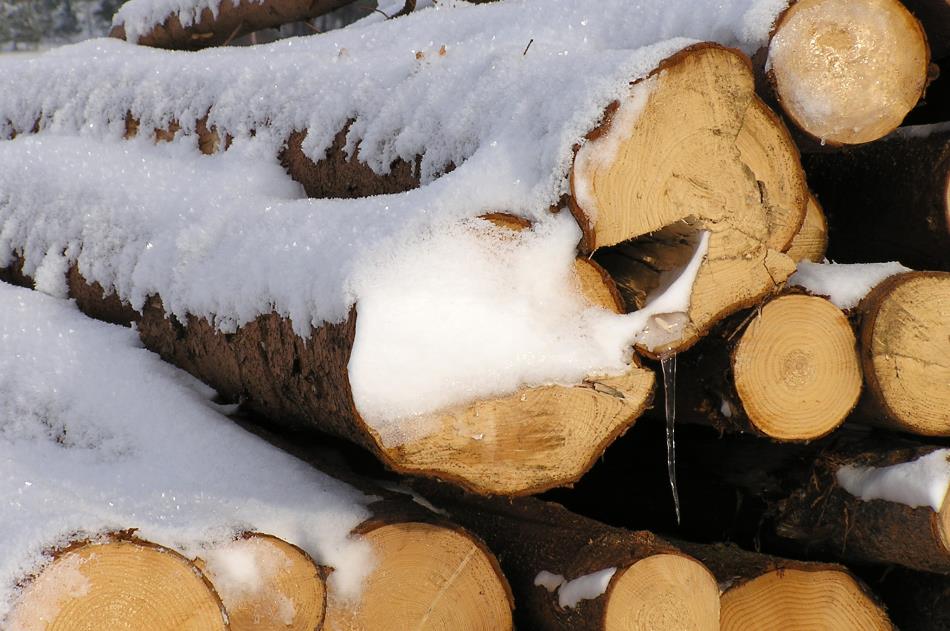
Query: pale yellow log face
x=848 y=71
x=811 y=241
x=798 y=600
x=285 y=593
x=120 y=585
x=663 y=592
x=427 y=578
x=910 y=354
x=796 y=368
x=767 y=148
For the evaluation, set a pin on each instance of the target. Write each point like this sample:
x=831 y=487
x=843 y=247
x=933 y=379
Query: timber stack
x=683 y=271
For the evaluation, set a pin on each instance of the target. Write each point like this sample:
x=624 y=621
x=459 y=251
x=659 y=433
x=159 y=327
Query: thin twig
x=531 y=41
x=234 y=33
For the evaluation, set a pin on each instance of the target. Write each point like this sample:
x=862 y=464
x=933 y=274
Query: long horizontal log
x=570 y=572
x=193 y=28
x=767 y=592
x=887 y=201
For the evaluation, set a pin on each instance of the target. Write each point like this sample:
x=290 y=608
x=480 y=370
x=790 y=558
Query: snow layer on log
x=451 y=308
x=99 y=435
x=844 y=284
x=500 y=107
x=921 y=482
x=140 y=16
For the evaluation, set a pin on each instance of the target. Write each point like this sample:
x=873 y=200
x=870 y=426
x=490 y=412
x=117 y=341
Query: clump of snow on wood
x=921 y=482
x=548 y=580
x=51 y=590
x=845 y=284
x=245 y=569
x=584 y=587
x=138 y=17
x=99 y=435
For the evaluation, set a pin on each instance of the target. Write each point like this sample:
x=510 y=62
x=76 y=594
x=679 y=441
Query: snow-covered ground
x=98 y=434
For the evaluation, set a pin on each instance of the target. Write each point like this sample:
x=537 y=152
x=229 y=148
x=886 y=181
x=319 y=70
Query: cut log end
x=905 y=340
x=529 y=441
x=668 y=160
x=848 y=72
x=663 y=591
x=267 y=584
x=120 y=584
x=811 y=242
x=796 y=368
x=801 y=599
x=427 y=577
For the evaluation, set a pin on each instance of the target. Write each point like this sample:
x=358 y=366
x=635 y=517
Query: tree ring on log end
x=811 y=241
x=796 y=368
x=846 y=71
x=801 y=599
x=905 y=340
x=662 y=591
x=668 y=156
x=285 y=591
x=427 y=577
x=119 y=584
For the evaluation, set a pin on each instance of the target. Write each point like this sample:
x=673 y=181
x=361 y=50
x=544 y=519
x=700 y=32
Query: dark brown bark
x=339 y=175
x=234 y=18
x=916 y=601
x=530 y=535
x=876 y=531
x=886 y=201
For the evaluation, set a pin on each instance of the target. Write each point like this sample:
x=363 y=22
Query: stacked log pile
x=810 y=401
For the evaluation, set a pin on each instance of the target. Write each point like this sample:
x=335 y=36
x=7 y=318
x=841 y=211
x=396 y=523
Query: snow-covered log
x=91 y=429
x=900 y=318
x=571 y=572
x=875 y=503
x=195 y=24
x=811 y=241
x=889 y=200
x=447 y=415
x=788 y=370
x=766 y=592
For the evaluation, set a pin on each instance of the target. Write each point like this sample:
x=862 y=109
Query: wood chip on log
x=847 y=72
x=875 y=503
x=887 y=201
x=904 y=332
x=788 y=370
x=214 y=28
x=811 y=241
x=571 y=572
x=119 y=582
x=767 y=592
x=267 y=584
